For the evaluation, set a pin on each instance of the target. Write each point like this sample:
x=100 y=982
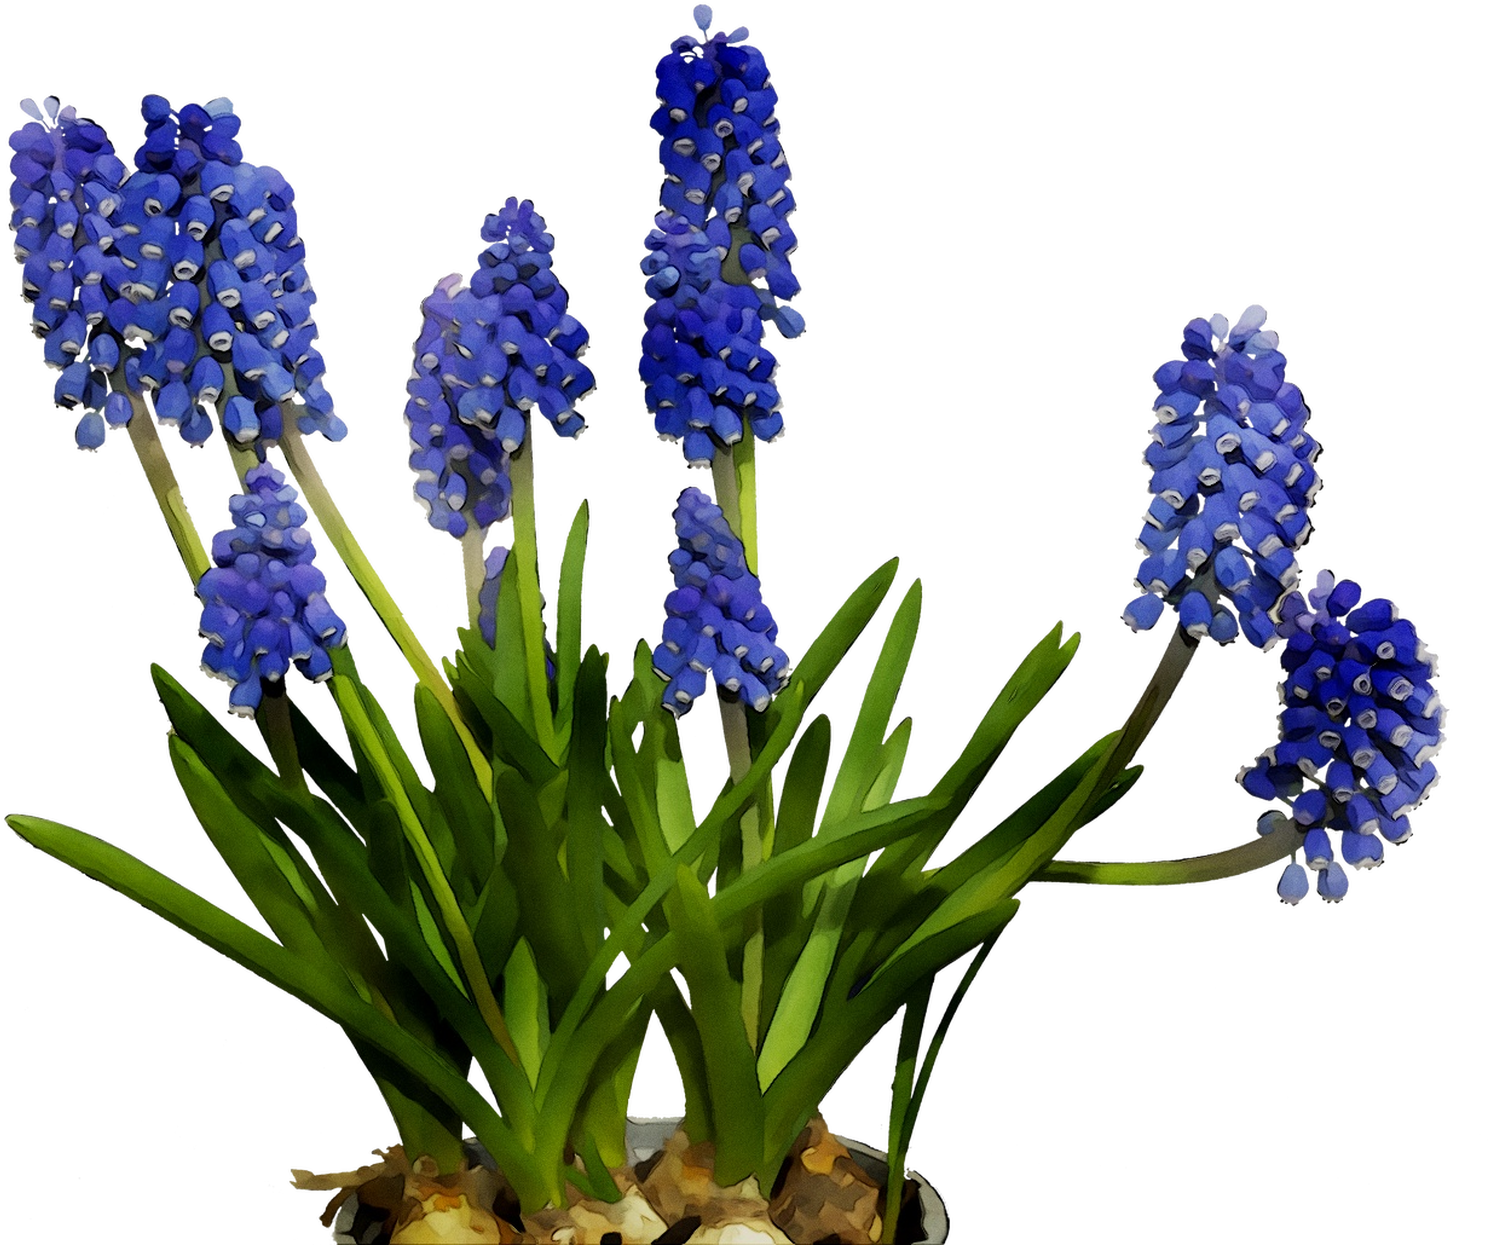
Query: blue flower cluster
x=1360 y=722
x=723 y=226
x=486 y=355
x=716 y=619
x=184 y=280
x=490 y=593
x=1232 y=470
x=263 y=605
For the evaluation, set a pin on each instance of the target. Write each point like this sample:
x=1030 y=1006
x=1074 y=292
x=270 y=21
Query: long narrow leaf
x=525 y=1006
x=465 y=808
x=587 y=780
x=287 y=909
x=570 y=616
x=857 y=770
x=738 y=1110
x=1029 y=684
x=254 y=791
x=798 y=1090
x=226 y=934
x=545 y=898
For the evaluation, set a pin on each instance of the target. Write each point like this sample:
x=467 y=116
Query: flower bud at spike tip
x=1363 y=755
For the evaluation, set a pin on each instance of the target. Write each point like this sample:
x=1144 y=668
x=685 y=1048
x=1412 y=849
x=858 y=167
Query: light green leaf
x=525 y=1007
x=309 y=983
x=570 y=614
x=727 y=1054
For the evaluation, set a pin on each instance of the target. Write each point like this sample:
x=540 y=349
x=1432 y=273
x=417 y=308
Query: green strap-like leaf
x=587 y=780
x=545 y=898
x=727 y=1053
x=306 y=982
x=511 y=738
x=525 y=1006
x=466 y=809
x=858 y=769
x=1030 y=683
x=801 y=794
x=800 y=1087
x=287 y=905
x=570 y=616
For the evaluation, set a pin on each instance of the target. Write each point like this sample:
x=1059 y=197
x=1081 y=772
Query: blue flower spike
x=1360 y=722
x=718 y=261
x=263 y=604
x=716 y=617
x=115 y=264
x=487 y=355
x=1233 y=479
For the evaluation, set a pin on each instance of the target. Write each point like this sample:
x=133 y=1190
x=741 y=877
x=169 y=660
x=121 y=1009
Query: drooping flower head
x=263 y=605
x=1360 y=723
x=723 y=227
x=487 y=354
x=184 y=280
x=1232 y=470
x=716 y=619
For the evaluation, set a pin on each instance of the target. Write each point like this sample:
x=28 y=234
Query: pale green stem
x=1038 y=850
x=163 y=484
x=1257 y=854
x=473 y=553
x=736 y=740
x=367 y=579
x=524 y=541
x=278 y=732
x=731 y=498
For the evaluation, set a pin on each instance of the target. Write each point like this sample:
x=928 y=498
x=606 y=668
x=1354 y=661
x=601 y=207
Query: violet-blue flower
x=486 y=356
x=1360 y=723
x=723 y=226
x=1234 y=478
x=193 y=259
x=703 y=363
x=716 y=618
x=263 y=604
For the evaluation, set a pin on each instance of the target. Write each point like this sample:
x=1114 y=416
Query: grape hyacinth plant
x=495 y=944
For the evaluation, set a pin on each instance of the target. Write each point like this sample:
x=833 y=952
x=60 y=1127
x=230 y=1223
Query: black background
x=991 y=277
